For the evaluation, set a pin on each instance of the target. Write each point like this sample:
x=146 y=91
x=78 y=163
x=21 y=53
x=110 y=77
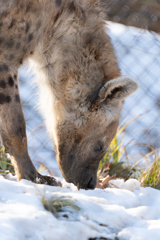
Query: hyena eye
x=98 y=148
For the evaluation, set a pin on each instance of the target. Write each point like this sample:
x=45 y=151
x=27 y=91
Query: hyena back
x=81 y=88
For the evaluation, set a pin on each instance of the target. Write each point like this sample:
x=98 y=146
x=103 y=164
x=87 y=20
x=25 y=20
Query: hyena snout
x=83 y=175
x=89 y=181
x=83 y=178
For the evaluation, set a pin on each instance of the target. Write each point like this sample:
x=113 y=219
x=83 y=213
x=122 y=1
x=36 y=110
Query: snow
x=128 y=212
x=131 y=184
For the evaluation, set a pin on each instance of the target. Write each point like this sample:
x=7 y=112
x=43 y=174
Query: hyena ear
x=118 y=88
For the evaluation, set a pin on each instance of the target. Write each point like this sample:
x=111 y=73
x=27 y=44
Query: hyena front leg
x=13 y=131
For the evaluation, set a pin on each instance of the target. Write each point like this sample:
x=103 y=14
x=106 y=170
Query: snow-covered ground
x=124 y=212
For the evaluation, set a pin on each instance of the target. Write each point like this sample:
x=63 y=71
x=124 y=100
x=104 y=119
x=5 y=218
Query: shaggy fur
x=80 y=85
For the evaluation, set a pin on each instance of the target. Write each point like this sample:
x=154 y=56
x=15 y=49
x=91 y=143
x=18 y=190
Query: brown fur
x=80 y=85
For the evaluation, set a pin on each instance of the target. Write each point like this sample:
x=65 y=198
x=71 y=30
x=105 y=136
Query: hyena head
x=85 y=91
x=84 y=133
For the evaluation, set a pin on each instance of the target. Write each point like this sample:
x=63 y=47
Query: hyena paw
x=48 y=180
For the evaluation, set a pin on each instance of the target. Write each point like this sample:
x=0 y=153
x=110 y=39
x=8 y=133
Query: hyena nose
x=89 y=184
x=92 y=183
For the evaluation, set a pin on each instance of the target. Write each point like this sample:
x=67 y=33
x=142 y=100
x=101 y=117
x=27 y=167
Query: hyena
x=80 y=84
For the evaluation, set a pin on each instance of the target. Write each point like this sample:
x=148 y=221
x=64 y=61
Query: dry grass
x=58 y=204
x=151 y=176
x=116 y=161
x=5 y=163
x=115 y=164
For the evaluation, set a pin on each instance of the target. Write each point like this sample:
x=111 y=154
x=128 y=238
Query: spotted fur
x=80 y=85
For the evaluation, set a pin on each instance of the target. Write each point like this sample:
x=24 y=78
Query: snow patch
x=130 y=213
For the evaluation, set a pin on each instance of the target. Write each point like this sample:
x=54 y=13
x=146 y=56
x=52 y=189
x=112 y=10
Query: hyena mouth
x=89 y=184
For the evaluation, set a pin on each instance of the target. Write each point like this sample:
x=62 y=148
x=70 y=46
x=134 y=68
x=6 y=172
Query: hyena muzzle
x=80 y=85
